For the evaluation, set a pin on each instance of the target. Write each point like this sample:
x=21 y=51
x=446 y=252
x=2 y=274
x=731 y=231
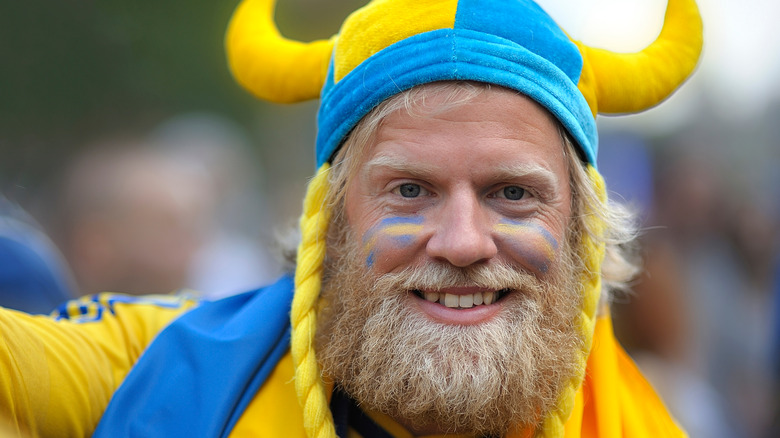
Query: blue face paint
x=398 y=231
x=531 y=243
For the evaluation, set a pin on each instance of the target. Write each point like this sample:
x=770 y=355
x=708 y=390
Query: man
x=449 y=277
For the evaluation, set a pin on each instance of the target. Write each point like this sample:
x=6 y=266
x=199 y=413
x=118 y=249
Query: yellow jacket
x=58 y=375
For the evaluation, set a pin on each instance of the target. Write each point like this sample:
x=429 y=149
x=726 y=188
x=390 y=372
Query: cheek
x=390 y=239
x=530 y=244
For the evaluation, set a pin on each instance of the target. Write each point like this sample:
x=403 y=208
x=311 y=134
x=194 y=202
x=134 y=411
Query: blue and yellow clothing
x=57 y=374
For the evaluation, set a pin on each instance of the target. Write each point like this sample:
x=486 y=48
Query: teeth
x=451 y=300
x=461 y=301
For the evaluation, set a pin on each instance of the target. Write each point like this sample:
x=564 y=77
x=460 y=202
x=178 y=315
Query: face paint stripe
x=507 y=226
x=401 y=230
x=401 y=220
x=547 y=246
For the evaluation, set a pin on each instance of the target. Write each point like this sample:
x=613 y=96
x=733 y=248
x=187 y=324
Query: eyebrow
x=394 y=163
x=539 y=175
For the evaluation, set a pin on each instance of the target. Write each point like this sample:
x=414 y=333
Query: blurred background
x=131 y=162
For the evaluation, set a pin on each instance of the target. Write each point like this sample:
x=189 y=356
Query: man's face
x=479 y=184
x=451 y=285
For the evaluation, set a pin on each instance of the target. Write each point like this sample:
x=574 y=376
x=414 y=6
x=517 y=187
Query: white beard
x=486 y=379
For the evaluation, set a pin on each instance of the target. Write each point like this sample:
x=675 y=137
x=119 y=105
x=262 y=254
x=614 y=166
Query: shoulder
x=94 y=308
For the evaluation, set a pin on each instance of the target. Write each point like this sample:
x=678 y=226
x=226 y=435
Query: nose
x=463 y=236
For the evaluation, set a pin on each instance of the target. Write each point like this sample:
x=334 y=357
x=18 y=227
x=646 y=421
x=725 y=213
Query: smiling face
x=452 y=278
x=482 y=183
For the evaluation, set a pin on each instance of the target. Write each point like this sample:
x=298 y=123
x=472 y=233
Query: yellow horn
x=267 y=64
x=626 y=83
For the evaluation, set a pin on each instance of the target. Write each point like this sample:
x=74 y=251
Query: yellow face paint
x=396 y=231
x=530 y=242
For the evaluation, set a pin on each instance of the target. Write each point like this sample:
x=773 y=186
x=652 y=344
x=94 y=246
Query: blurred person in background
x=653 y=319
x=180 y=208
x=726 y=245
x=698 y=320
x=34 y=277
x=236 y=253
x=774 y=429
x=130 y=219
x=653 y=322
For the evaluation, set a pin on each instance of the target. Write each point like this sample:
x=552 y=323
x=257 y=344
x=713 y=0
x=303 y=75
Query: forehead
x=493 y=122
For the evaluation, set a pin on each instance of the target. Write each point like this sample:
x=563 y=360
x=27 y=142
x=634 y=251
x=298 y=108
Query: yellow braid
x=553 y=426
x=317 y=418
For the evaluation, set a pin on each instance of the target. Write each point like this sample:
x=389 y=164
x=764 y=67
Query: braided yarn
x=553 y=425
x=317 y=418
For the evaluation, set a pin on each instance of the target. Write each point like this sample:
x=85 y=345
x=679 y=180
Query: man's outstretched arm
x=58 y=373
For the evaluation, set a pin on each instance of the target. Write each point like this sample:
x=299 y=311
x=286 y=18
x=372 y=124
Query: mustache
x=439 y=275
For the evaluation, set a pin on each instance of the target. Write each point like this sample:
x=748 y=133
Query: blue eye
x=409 y=190
x=513 y=193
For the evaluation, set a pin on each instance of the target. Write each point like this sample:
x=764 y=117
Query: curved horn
x=626 y=83
x=268 y=65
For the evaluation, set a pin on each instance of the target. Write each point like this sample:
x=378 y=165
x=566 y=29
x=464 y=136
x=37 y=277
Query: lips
x=462 y=299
